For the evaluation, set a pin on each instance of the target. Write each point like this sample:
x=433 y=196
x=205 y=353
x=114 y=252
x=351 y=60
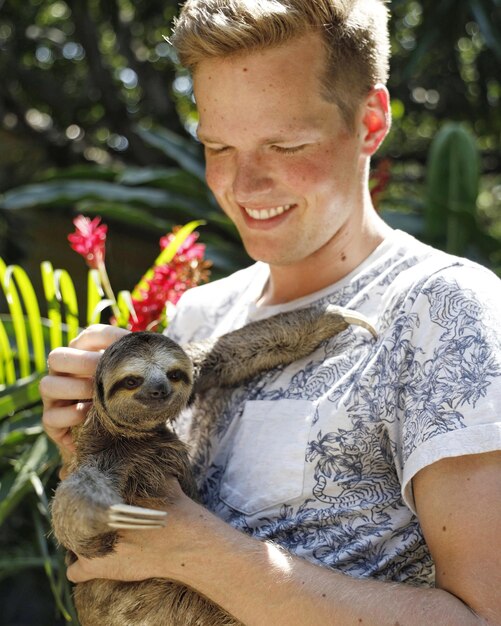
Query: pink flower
x=89 y=240
x=188 y=250
x=165 y=285
x=168 y=283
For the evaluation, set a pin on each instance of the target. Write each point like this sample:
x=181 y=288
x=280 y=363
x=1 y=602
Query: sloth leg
x=279 y=340
x=86 y=509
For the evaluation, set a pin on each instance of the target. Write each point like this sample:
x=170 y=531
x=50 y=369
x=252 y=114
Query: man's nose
x=252 y=180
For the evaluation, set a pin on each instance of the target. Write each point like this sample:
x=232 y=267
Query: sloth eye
x=175 y=375
x=131 y=382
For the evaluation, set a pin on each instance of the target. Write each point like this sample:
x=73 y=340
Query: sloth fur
x=126 y=449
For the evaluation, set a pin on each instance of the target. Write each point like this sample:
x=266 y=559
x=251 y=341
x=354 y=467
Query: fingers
x=58 y=390
x=60 y=417
x=113 y=566
x=82 y=356
x=68 y=387
x=76 y=572
x=58 y=421
x=98 y=337
x=73 y=362
x=61 y=409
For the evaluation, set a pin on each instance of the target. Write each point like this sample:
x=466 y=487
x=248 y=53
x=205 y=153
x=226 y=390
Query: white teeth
x=265 y=214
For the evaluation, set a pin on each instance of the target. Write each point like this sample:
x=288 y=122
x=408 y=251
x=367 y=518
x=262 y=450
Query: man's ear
x=376 y=119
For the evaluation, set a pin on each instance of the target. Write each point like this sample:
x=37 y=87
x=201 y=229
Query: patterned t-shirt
x=319 y=456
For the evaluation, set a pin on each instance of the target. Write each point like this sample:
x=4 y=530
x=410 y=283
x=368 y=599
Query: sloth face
x=142 y=381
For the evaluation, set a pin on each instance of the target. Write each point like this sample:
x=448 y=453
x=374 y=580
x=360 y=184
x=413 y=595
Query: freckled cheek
x=309 y=176
x=217 y=177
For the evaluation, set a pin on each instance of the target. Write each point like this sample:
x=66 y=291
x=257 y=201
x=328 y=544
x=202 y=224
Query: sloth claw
x=135 y=517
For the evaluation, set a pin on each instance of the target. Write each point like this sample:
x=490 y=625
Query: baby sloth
x=126 y=449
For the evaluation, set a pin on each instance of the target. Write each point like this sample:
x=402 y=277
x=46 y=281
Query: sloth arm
x=263 y=345
x=80 y=506
x=87 y=509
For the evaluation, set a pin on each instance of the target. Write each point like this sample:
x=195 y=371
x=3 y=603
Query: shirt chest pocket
x=266 y=463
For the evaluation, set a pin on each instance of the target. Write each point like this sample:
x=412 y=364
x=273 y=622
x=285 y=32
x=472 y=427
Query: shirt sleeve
x=450 y=370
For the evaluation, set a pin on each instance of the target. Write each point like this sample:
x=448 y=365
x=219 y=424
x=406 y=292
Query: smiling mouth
x=266 y=214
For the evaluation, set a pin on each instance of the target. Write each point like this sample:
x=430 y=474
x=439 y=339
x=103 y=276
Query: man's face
x=280 y=160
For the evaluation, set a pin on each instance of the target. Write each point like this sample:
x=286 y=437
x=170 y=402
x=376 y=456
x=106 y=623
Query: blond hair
x=355 y=35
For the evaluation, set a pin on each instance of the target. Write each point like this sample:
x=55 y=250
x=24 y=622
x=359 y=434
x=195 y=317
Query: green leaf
x=127 y=214
x=175 y=179
x=17 y=274
x=9 y=564
x=487 y=25
x=7 y=367
x=66 y=294
x=67 y=192
x=21 y=394
x=95 y=295
x=17 y=482
x=181 y=150
x=17 y=315
x=48 y=566
x=166 y=255
x=126 y=308
x=53 y=304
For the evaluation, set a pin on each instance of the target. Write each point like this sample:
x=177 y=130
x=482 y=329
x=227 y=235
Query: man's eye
x=216 y=150
x=288 y=150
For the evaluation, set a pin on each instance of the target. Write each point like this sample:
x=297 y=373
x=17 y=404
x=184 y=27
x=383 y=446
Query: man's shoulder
x=201 y=309
x=417 y=266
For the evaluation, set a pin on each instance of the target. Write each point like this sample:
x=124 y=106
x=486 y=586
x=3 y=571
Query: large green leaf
x=66 y=192
x=17 y=482
x=21 y=394
x=482 y=11
x=168 y=178
x=183 y=151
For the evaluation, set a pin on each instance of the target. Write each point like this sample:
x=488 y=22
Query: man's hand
x=67 y=389
x=159 y=553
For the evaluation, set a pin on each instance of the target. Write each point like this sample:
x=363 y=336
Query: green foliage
x=27 y=457
x=78 y=77
x=453 y=177
x=444 y=209
x=28 y=460
x=149 y=199
x=446 y=67
x=96 y=118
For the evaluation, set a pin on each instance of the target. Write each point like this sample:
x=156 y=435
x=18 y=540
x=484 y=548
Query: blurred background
x=96 y=118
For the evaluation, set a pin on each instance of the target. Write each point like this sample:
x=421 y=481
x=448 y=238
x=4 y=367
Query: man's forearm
x=261 y=585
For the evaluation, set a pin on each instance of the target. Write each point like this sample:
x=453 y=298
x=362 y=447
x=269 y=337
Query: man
x=370 y=461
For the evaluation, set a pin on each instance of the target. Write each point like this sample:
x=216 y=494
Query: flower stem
x=105 y=282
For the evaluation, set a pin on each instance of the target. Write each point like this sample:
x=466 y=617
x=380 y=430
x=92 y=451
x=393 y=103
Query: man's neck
x=328 y=265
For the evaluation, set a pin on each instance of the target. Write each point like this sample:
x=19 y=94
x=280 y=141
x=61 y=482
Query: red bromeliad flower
x=168 y=283
x=188 y=250
x=89 y=240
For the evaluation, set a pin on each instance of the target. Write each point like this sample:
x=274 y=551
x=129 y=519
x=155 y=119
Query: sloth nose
x=158 y=390
x=154 y=390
